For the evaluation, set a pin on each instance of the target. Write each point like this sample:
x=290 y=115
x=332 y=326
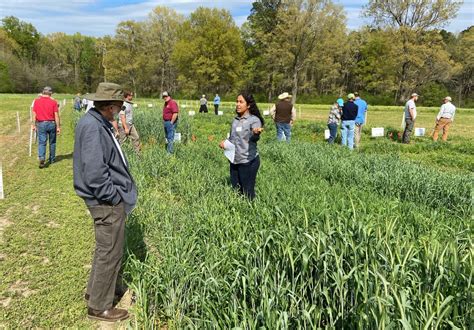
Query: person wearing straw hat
x=444 y=119
x=284 y=114
x=45 y=120
x=410 y=116
x=103 y=180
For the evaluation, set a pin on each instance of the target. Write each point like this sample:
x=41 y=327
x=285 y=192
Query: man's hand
x=257 y=130
x=127 y=131
x=58 y=130
x=221 y=145
x=291 y=122
x=33 y=127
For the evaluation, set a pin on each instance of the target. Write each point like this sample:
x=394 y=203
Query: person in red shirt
x=45 y=120
x=170 y=120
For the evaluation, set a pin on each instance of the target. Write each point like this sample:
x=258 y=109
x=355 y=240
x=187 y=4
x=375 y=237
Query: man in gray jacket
x=103 y=180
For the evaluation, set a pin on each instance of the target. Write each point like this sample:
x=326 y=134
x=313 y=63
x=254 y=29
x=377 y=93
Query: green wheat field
x=377 y=238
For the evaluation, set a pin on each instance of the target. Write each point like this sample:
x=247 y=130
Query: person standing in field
x=349 y=114
x=203 y=104
x=77 y=102
x=362 y=108
x=103 y=180
x=217 y=102
x=244 y=134
x=444 y=119
x=284 y=114
x=334 y=120
x=45 y=120
x=126 y=128
x=410 y=116
x=170 y=120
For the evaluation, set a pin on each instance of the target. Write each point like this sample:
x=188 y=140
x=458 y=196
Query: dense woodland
x=301 y=46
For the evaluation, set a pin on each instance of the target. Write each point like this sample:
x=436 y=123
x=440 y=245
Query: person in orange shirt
x=45 y=120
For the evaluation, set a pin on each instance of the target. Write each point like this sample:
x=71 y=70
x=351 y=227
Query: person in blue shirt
x=360 y=119
x=349 y=114
x=217 y=101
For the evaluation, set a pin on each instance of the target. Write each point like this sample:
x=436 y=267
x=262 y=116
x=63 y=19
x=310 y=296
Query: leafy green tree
x=209 y=54
x=25 y=35
x=411 y=20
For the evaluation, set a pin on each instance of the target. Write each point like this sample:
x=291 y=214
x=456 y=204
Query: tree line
x=300 y=46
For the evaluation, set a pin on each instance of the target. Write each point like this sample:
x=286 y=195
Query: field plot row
x=334 y=239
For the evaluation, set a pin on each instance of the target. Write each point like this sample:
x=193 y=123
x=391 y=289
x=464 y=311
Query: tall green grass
x=334 y=239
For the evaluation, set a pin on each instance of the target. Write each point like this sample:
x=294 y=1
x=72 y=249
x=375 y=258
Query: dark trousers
x=409 y=124
x=216 y=108
x=109 y=227
x=203 y=108
x=332 y=132
x=243 y=177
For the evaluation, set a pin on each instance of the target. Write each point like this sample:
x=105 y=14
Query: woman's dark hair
x=253 y=108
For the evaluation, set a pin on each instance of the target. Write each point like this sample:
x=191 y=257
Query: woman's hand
x=221 y=145
x=257 y=130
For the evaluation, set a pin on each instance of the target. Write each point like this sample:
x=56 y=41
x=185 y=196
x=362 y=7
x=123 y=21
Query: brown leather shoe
x=109 y=315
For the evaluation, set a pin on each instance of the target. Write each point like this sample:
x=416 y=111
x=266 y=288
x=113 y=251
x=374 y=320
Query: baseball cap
x=47 y=89
x=165 y=94
x=351 y=96
x=448 y=98
x=414 y=94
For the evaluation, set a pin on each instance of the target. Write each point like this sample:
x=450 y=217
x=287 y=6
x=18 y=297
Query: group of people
x=203 y=104
x=351 y=116
x=103 y=180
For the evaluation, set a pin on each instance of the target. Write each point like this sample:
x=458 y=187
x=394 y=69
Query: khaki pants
x=109 y=227
x=443 y=123
x=357 y=134
x=133 y=136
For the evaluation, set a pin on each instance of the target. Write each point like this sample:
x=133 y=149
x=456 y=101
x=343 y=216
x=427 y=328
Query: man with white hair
x=410 y=116
x=444 y=119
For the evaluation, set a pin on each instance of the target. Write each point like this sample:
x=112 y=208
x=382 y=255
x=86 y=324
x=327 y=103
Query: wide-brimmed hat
x=414 y=94
x=106 y=92
x=285 y=95
x=448 y=98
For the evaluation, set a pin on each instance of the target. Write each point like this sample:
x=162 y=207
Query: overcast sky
x=100 y=17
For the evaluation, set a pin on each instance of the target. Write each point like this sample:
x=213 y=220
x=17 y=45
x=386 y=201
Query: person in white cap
x=444 y=119
x=203 y=104
x=410 y=116
x=283 y=113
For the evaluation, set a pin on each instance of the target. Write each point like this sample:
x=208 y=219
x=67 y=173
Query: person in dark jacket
x=349 y=114
x=102 y=179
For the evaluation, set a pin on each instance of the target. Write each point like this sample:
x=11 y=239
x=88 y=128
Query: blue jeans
x=283 y=131
x=46 y=129
x=169 y=134
x=332 y=132
x=347 y=133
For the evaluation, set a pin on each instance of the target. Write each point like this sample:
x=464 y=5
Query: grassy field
x=380 y=237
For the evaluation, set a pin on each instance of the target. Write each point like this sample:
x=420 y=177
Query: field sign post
x=326 y=134
x=2 y=196
x=18 y=121
x=420 y=131
x=377 y=131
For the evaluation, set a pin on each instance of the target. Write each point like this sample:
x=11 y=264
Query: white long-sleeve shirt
x=447 y=111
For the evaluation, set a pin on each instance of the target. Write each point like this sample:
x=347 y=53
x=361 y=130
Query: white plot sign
x=177 y=137
x=135 y=105
x=150 y=105
x=191 y=113
x=326 y=134
x=420 y=131
x=220 y=113
x=377 y=132
x=266 y=112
